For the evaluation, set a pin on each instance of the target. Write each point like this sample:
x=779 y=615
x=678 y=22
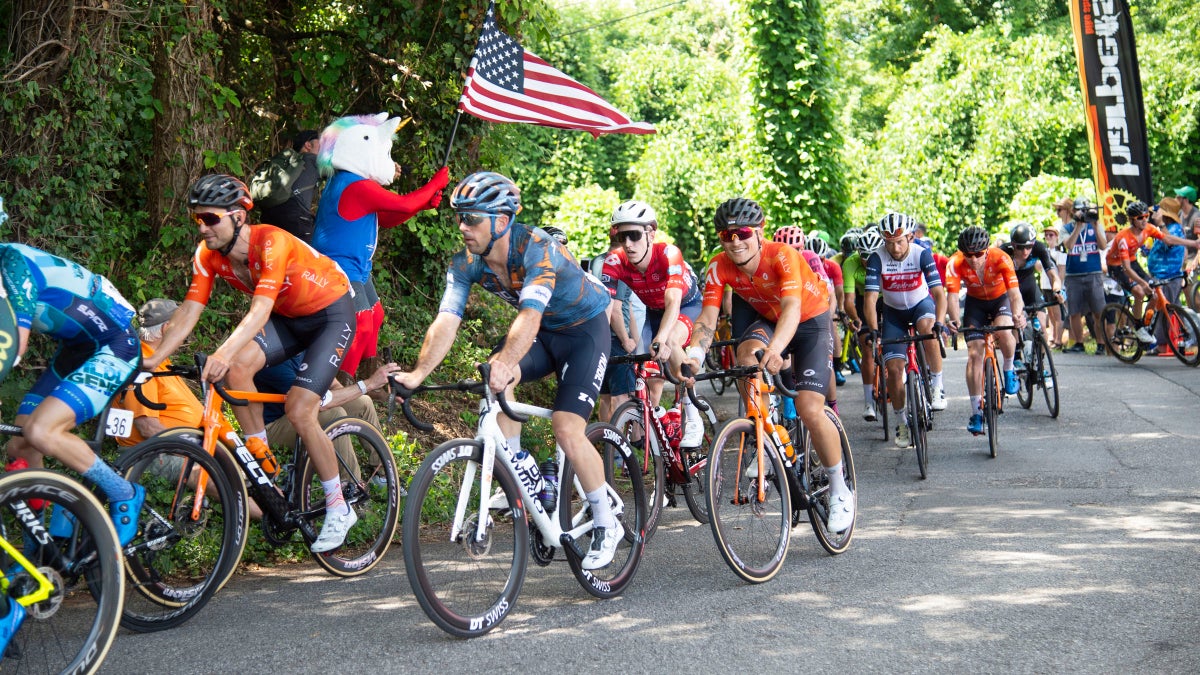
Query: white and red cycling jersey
x=666 y=270
x=905 y=282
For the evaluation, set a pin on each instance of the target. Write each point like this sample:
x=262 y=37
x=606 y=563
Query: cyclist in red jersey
x=301 y=303
x=780 y=306
x=810 y=248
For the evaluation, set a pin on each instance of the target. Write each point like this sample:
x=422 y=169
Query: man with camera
x=1085 y=243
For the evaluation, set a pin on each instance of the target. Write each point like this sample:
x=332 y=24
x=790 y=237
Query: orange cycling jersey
x=1126 y=243
x=781 y=273
x=998 y=275
x=283 y=268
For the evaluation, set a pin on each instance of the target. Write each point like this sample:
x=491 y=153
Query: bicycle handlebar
x=472 y=386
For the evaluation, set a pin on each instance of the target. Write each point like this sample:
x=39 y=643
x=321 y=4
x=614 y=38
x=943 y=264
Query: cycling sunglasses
x=735 y=233
x=474 y=218
x=628 y=235
x=1024 y=247
x=208 y=219
x=974 y=254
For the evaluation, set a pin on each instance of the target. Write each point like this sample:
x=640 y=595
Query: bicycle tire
x=1045 y=365
x=1184 y=335
x=573 y=509
x=881 y=395
x=374 y=494
x=73 y=630
x=630 y=422
x=1117 y=320
x=174 y=565
x=927 y=381
x=752 y=536
x=991 y=393
x=448 y=576
x=815 y=483
x=1193 y=296
x=916 y=422
x=1026 y=378
x=695 y=462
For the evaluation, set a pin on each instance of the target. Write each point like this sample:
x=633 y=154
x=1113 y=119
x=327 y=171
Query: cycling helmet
x=738 y=212
x=558 y=234
x=1136 y=209
x=821 y=234
x=818 y=246
x=895 y=225
x=849 y=238
x=1022 y=233
x=634 y=212
x=488 y=192
x=220 y=190
x=973 y=239
x=790 y=235
x=869 y=242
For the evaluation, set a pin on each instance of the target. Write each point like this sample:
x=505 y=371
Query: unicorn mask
x=360 y=144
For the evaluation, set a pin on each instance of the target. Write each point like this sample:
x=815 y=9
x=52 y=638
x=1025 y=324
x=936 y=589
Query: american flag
x=506 y=83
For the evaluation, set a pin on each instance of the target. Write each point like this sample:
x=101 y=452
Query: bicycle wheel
x=1047 y=376
x=881 y=396
x=815 y=483
x=695 y=462
x=915 y=402
x=72 y=629
x=371 y=487
x=574 y=510
x=176 y=563
x=752 y=535
x=1119 y=322
x=630 y=422
x=991 y=404
x=465 y=585
x=1184 y=335
x=1027 y=379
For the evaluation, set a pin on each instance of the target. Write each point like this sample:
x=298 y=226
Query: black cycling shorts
x=978 y=313
x=323 y=337
x=811 y=347
x=1122 y=278
x=578 y=357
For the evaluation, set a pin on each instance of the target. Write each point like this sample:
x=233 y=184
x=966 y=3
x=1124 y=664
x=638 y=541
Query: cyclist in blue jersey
x=561 y=327
x=98 y=353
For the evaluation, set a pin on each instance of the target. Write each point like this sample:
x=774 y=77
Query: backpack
x=273 y=181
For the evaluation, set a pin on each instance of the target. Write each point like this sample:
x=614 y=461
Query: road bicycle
x=657 y=434
x=992 y=404
x=1037 y=371
x=195 y=493
x=65 y=572
x=752 y=518
x=918 y=392
x=1179 y=324
x=467 y=536
x=881 y=390
x=721 y=354
x=849 y=354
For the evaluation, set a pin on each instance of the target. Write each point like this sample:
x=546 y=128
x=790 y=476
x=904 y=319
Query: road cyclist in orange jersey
x=780 y=306
x=1122 y=258
x=659 y=277
x=905 y=277
x=993 y=298
x=301 y=302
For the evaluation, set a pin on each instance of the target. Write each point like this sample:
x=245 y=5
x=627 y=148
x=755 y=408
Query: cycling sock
x=514 y=444
x=602 y=515
x=900 y=415
x=869 y=392
x=115 y=487
x=261 y=435
x=833 y=406
x=1008 y=363
x=837 y=482
x=975 y=401
x=334 y=501
x=936 y=378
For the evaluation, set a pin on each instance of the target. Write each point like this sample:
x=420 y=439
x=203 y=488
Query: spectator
x=1165 y=261
x=618 y=379
x=1189 y=217
x=1085 y=246
x=1054 y=324
x=295 y=214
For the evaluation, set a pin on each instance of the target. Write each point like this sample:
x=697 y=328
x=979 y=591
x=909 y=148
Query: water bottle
x=19 y=464
x=784 y=440
x=549 y=493
x=673 y=426
x=527 y=472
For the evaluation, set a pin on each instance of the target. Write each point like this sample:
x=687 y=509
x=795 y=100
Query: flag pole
x=453 y=133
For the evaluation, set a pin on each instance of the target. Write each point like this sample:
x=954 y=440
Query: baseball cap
x=303 y=137
x=1187 y=192
x=156 y=311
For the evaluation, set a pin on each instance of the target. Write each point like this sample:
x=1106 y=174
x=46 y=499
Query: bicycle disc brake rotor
x=542 y=554
x=184 y=524
x=48 y=607
x=476 y=548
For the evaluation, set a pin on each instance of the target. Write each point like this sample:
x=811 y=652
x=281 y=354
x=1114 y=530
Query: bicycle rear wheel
x=752 y=535
x=915 y=402
x=1027 y=380
x=177 y=563
x=629 y=419
x=1119 y=322
x=816 y=485
x=881 y=397
x=73 y=629
x=573 y=510
x=370 y=486
x=1046 y=375
x=991 y=404
x=465 y=585
x=1184 y=335
x=695 y=462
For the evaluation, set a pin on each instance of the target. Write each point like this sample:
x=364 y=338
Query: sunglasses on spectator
x=474 y=218
x=628 y=235
x=974 y=254
x=735 y=233
x=208 y=219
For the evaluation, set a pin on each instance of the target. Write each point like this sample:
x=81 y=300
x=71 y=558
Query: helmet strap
x=496 y=235
x=237 y=229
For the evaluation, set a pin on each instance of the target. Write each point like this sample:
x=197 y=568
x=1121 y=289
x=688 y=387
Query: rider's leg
x=933 y=354
x=242 y=369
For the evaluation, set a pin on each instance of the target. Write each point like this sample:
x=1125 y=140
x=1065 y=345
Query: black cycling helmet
x=220 y=190
x=973 y=239
x=558 y=234
x=1022 y=233
x=1136 y=209
x=738 y=212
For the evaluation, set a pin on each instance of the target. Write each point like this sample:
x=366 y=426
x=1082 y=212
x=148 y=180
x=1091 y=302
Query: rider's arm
x=671 y=300
x=849 y=310
x=439 y=338
x=939 y=302
x=342 y=395
x=261 y=307
x=1017 y=305
x=616 y=321
x=702 y=332
x=178 y=329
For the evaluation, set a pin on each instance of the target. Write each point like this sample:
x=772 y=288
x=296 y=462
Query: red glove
x=439 y=182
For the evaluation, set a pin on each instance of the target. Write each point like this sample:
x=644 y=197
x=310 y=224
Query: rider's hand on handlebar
x=502 y=375
x=215 y=368
x=694 y=362
x=950 y=328
x=660 y=350
x=406 y=380
x=772 y=362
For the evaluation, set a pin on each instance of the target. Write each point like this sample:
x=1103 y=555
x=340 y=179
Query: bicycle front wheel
x=370 y=486
x=881 y=397
x=1120 y=331
x=991 y=404
x=628 y=501
x=915 y=399
x=629 y=419
x=466 y=581
x=1184 y=335
x=1027 y=380
x=72 y=629
x=752 y=533
x=1046 y=375
x=816 y=486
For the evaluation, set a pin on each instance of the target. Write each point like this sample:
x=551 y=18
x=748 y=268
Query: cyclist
x=780 y=306
x=301 y=303
x=846 y=245
x=659 y=277
x=97 y=354
x=561 y=327
x=906 y=278
x=854 y=280
x=993 y=297
x=807 y=247
x=833 y=271
x=1122 y=258
x=1030 y=257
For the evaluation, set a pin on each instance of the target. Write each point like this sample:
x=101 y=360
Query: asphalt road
x=1073 y=551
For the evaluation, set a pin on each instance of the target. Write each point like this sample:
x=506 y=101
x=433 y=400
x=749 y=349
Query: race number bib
x=119 y=423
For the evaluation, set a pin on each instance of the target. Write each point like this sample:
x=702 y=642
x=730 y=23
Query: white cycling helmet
x=896 y=224
x=869 y=242
x=634 y=212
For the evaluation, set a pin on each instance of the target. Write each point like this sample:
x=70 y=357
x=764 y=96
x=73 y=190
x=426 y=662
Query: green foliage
x=1034 y=201
x=583 y=213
